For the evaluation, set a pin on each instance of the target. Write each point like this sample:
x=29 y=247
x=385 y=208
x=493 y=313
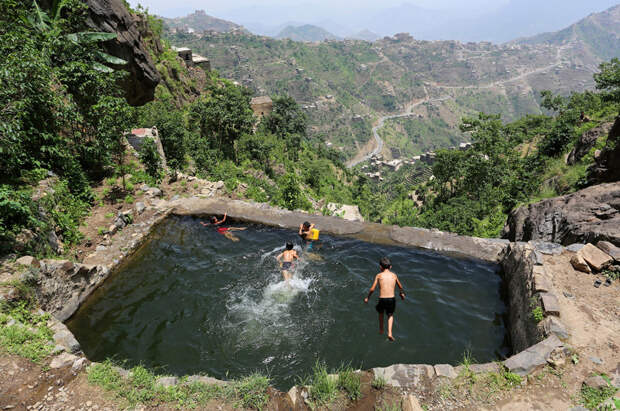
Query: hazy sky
x=465 y=20
x=172 y=8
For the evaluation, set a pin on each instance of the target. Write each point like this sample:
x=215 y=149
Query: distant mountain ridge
x=366 y=35
x=201 y=21
x=306 y=32
x=599 y=33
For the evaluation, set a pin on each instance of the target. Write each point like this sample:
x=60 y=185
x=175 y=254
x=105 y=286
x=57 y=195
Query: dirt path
x=25 y=385
x=592 y=316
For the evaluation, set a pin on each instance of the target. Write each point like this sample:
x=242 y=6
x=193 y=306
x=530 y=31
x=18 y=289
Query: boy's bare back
x=289 y=255
x=387 y=281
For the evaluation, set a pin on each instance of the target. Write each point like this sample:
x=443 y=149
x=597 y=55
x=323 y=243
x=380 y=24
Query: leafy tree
x=173 y=132
x=609 y=79
x=150 y=158
x=259 y=148
x=559 y=136
x=285 y=118
x=114 y=117
x=288 y=122
x=292 y=197
x=223 y=116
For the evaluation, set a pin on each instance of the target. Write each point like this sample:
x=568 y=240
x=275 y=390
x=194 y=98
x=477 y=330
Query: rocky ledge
x=586 y=216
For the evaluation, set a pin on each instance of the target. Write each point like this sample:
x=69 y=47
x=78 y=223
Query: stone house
x=191 y=59
x=185 y=54
x=261 y=106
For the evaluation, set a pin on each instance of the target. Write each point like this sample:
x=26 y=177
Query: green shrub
x=538 y=314
x=378 y=382
x=141 y=388
x=324 y=387
x=591 y=398
x=66 y=211
x=29 y=337
x=150 y=158
x=350 y=382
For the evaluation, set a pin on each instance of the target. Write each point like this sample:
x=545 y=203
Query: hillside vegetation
x=63 y=117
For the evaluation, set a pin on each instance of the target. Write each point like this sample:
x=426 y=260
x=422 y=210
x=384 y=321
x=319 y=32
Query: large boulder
x=586 y=216
x=607 y=164
x=586 y=142
x=111 y=16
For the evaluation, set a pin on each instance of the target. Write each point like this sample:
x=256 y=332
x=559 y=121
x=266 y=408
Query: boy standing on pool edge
x=387 y=281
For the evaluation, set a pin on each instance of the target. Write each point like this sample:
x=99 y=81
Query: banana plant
x=42 y=21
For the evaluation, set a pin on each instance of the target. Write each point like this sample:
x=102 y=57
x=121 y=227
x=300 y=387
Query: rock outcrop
x=587 y=141
x=607 y=164
x=586 y=216
x=111 y=16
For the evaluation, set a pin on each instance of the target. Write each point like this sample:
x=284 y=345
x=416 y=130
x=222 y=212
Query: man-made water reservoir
x=192 y=301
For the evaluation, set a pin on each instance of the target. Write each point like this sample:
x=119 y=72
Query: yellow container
x=313 y=235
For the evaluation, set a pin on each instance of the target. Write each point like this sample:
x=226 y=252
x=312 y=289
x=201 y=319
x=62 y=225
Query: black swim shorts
x=386 y=304
x=287 y=265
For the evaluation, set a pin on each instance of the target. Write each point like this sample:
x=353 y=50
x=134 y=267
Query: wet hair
x=385 y=263
x=306 y=225
x=213 y=219
x=289 y=245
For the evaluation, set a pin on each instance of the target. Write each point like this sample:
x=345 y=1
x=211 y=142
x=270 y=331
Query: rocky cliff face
x=588 y=215
x=587 y=141
x=112 y=16
x=607 y=164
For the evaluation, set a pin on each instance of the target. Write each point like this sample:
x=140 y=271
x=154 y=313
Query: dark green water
x=194 y=302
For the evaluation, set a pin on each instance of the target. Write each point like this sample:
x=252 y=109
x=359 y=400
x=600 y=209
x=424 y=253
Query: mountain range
x=599 y=34
x=497 y=22
x=306 y=32
x=347 y=86
x=200 y=21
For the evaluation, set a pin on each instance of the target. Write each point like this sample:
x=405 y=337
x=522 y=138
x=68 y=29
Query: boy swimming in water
x=286 y=259
x=387 y=281
x=225 y=231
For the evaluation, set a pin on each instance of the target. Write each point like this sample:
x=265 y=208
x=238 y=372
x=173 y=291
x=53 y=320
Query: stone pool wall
x=65 y=285
x=492 y=250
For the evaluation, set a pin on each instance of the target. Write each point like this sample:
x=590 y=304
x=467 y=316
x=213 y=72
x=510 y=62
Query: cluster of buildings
x=377 y=163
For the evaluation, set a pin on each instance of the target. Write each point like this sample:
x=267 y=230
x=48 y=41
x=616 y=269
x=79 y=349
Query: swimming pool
x=191 y=301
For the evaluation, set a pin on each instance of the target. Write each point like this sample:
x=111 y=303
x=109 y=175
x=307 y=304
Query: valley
x=349 y=88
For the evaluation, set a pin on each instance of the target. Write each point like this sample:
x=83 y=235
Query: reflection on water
x=194 y=302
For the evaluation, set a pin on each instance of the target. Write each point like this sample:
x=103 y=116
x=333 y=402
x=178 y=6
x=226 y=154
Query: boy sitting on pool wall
x=288 y=256
x=387 y=281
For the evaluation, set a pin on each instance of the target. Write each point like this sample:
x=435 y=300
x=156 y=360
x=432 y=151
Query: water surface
x=191 y=301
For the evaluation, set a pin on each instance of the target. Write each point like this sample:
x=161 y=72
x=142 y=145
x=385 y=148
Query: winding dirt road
x=408 y=109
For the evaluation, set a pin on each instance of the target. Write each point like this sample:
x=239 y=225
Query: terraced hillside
x=346 y=86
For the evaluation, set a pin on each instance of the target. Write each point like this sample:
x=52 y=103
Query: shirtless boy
x=387 y=281
x=286 y=259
